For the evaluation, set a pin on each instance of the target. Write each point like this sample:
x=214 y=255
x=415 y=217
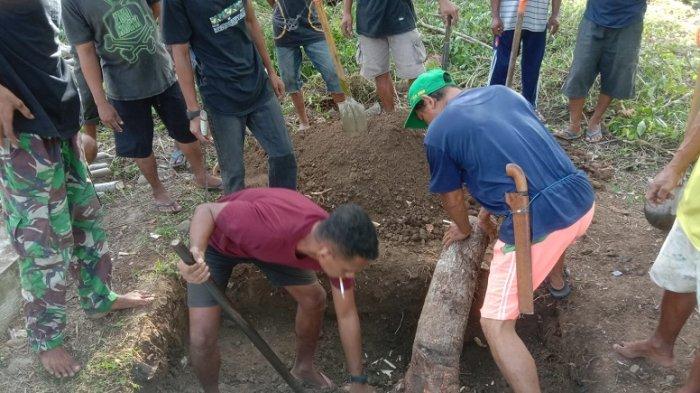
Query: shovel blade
x=353 y=116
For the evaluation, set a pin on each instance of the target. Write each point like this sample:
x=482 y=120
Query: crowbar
x=241 y=322
x=519 y=203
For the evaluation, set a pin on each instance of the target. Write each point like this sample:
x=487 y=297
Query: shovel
x=519 y=203
x=241 y=322
x=352 y=113
x=515 y=45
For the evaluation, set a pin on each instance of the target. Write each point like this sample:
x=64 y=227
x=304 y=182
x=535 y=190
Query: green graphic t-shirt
x=134 y=61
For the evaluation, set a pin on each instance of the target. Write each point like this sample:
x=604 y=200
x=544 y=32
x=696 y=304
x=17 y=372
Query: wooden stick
x=252 y=334
x=519 y=203
x=323 y=18
x=457 y=34
x=515 y=45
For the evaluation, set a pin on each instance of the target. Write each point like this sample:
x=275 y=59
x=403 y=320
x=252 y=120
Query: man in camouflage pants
x=50 y=207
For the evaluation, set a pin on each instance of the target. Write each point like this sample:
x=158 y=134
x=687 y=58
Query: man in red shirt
x=288 y=237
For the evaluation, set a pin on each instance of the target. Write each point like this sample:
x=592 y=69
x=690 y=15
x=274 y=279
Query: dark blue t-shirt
x=615 y=13
x=382 y=18
x=295 y=23
x=231 y=74
x=479 y=133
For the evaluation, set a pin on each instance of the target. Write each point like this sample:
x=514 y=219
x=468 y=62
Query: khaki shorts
x=407 y=49
x=677 y=267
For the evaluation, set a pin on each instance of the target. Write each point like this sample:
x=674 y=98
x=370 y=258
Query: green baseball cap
x=427 y=83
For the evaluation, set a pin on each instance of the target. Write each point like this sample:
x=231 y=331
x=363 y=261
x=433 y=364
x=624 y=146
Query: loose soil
x=385 y=172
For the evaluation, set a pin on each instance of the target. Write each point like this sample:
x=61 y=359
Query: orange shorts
x=501 y=301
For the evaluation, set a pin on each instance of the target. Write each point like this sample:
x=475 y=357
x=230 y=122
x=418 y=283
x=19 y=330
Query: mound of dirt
x=384 y=171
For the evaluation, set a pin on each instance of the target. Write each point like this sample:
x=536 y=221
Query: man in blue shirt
x=467 y=145
x=609 y=38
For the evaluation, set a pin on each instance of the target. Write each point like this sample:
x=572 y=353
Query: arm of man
x=663 y=185
x=553 y=23
x=155 y=9
x=456 y=208
x=346 y=23
x=447 y=9
x=496 y=21
x=272 y=3
x=185 y=76
x=251 y=22
x=201 y=228
x=350 y=333
x=90 y=65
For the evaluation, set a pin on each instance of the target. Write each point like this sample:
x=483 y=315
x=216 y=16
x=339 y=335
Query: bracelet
x=360 y=379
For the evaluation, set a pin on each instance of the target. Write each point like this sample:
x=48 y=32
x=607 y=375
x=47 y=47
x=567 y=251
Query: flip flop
x=594 y=135
x=563 y=292
x=167 y=207
x=219 y=187
x=177 y=159
x=330 y=386
x=568 y=135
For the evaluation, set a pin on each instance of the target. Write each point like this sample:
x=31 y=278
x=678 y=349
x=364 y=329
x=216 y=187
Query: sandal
x=594 y=135
x=167 y=207
x=568 y=135
x=177 y=159
x=329 y=385
x=563 y=292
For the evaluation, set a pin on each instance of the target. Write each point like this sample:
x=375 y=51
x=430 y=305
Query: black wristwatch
x=191 y=115
x=361 y=379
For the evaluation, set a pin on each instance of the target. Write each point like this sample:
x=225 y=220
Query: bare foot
x=163 y=203
x=313 y=378
x=646 y=349
x=686 y=389
x=132 y=299
x=59 y=363
x=210 y=183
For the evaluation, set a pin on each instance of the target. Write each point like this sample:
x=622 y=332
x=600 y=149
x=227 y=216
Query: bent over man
x=288 y=237
x=467 y=145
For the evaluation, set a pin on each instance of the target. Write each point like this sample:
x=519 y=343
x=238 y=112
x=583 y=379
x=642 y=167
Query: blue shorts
x=289 y=61
x=136 y=138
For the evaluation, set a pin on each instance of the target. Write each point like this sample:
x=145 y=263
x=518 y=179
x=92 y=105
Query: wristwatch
x=191 y=115
x=360 y=379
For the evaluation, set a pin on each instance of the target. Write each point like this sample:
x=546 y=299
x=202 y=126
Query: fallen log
x=441 y=328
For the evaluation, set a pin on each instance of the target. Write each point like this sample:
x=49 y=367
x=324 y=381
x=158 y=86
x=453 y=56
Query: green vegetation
x=664 y=82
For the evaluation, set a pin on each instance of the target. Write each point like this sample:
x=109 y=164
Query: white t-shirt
x=536 y=15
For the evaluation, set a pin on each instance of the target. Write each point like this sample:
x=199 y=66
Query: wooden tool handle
x=446 y=44
x=516 y=172
x=323 y=18
x=515 y=44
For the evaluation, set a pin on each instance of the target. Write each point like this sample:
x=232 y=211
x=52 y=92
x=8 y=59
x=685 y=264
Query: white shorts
x=677 y=267
x=407 y=49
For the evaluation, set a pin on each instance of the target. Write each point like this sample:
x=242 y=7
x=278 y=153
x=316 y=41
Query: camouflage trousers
x=53 y=219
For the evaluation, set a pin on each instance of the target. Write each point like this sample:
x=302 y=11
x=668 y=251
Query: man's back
x=482 y=130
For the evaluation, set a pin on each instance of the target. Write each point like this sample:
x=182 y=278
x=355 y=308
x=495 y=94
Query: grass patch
x=664 y=81
x=109 y=372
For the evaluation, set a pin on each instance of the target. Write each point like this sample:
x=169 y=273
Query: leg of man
x=373 y=58
x=584 y=69
x=38 y=222
x=289 y=62
x=409 y=54
x=556 y=276
x=136 y=141
x=170 y=106
x=618 y=68
x=204 y=346
x=205 y=321
x=693 y=383
x=501 y=58
x=88 y=141
x=676 y=271
x=311 y=304
x=267 y=125
x=228 y=133
x=320 y=57
x=500 y=309
x=532 y=54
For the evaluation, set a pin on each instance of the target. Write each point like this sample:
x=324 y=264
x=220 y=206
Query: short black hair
x=436 y=95
x=352 y=231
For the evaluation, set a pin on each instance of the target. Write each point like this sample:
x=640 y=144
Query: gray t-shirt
x=134 y=61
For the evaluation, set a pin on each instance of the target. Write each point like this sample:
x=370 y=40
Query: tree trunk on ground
x=439 y=338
